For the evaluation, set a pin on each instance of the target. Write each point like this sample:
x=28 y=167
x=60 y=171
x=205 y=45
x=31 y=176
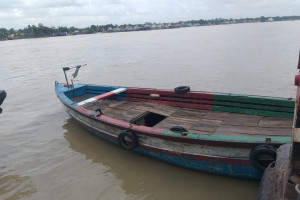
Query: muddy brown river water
x=44 y=154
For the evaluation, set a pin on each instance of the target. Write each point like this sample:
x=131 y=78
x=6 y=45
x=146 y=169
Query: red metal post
x=299 y=61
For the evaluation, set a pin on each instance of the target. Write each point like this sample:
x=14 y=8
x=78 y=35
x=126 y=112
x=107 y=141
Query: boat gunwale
x=211 y=140
x=182 y=139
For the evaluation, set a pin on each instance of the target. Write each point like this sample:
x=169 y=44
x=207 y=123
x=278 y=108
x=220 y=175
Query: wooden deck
x=197 y=121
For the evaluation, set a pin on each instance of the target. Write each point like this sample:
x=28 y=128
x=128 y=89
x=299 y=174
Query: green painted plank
x=253 y=112
x=274 y=101
x=226 y=138
x=254 y=106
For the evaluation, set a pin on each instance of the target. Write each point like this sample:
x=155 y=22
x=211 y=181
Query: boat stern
x=66 y=93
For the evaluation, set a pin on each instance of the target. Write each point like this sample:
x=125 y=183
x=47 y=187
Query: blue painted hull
x=225 y=160
x=234 y=170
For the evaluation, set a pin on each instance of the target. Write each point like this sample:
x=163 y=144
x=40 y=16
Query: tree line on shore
x=40 y=30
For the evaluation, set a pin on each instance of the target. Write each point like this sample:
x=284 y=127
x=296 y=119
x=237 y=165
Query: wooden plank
x=174 y=121
x=241 y=121
x=156 y=108
x=94 y=106
x=188 y=113
x=122 y=105
x=276 y=122
x=233 y=118
x=253 y=131
x=131 y=114
x=255 y=100
x=114 y=103
x=168 y=98
x=124 y=115
x=217 y=115
x=203 y=126
x=110 y=112
x=206 y=125
x=176 y=104
x=199 y=95
x=126 y=105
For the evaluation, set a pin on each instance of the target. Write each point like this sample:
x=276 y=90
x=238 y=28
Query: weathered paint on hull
x=212 y=164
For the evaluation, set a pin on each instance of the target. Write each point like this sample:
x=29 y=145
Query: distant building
x=159 y=26
x=147 y=26
x=11 y=37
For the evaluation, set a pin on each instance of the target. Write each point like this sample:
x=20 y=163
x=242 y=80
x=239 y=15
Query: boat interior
x=199 y=113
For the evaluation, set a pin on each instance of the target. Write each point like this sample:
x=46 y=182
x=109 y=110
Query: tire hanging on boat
x=127 y=140
x=182 y=89
x=180 y=129
x=262 y=155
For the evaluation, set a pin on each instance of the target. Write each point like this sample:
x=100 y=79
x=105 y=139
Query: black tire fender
x=127 y=140
x=182 y=89
x=260 y=150
x=180 y=129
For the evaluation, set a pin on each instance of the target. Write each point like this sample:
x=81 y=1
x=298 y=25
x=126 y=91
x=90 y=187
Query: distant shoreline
x=42 y=31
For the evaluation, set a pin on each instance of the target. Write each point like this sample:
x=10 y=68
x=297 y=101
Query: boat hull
x=212 y=159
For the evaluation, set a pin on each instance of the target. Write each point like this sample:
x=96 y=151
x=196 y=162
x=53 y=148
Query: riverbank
x=44 y=31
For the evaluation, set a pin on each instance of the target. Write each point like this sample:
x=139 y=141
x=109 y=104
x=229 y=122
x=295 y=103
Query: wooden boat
x=226 y=134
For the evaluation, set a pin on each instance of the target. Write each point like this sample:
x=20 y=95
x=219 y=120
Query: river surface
x=44 y=154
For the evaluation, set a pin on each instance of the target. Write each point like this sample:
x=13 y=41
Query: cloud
x=83 y=13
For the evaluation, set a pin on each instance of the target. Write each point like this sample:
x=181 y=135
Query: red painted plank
x=99 y=97
x=297 y=80
x=299 y=61
x=170 y=103
x=198 y=95
x=184 y=100
x=105 y=95
x=84 y=111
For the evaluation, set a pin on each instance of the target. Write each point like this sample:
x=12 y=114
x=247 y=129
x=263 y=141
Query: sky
x=84 y=13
